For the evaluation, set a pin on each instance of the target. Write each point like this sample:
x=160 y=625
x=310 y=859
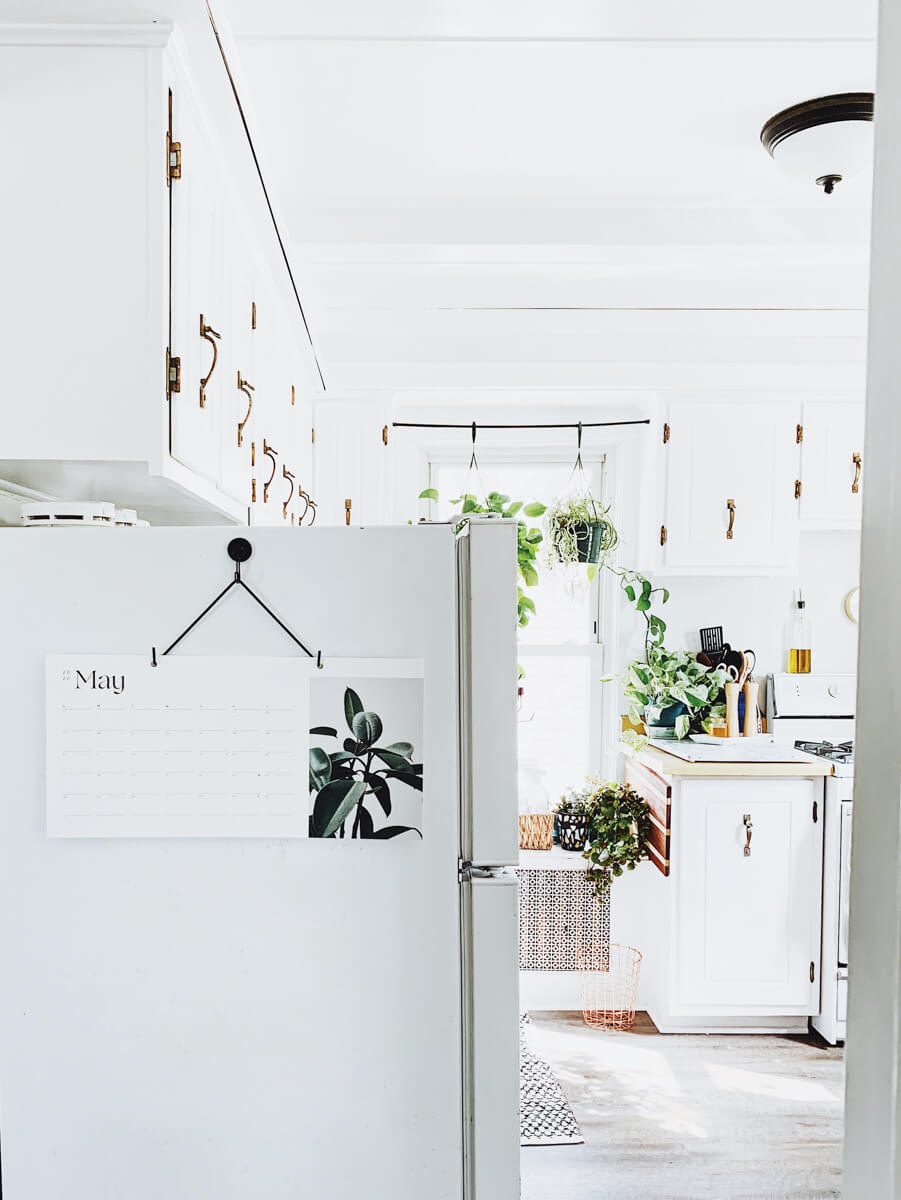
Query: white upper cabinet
x=832 y=464
x=730 y=471
x=157 y=392
x=352 y=462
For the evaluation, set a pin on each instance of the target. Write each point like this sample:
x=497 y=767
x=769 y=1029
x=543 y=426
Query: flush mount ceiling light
x=823 y=141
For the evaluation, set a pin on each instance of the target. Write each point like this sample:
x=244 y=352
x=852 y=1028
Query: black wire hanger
x=239 y=551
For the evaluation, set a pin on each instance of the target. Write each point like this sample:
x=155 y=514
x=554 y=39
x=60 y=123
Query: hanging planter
x=578 y=527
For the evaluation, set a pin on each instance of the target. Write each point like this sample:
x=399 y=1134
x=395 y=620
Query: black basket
x=572 y=831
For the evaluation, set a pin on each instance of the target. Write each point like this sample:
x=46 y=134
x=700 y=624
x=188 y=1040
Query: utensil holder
x=732 y=726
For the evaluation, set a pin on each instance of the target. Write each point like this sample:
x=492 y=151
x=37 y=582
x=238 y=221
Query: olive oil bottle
x=799 y=640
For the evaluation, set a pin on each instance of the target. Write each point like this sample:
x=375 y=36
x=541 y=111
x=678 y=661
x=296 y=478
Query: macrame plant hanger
x=473 y=469
x=239 y=551
x=578 y=472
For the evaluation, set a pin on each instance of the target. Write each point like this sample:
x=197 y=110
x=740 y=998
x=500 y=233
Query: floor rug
x=545 y=1117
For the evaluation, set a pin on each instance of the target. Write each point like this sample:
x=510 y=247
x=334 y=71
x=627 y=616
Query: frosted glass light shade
x=823 y=141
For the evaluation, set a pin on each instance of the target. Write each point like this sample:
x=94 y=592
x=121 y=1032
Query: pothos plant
x=347 y=782
x=619 y=827
x=528 y=538
x=669 y=677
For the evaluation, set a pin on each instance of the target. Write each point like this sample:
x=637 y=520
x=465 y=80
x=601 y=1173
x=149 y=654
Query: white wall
x=754 y=612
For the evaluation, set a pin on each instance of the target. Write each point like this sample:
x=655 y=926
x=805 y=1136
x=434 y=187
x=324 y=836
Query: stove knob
x=833 y=690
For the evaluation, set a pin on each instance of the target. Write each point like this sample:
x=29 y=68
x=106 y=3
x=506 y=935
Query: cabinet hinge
x=812 y=972
x=348 y=504
x=797 y=489
x=293 y=397
x=313 y=436
x=253 y=491
x=384 y=435
x=173 y=374
x=799 y=434
x=253 y=314
x=173 y=159
x=665 y=433
x=816 y=812
x=662 y=535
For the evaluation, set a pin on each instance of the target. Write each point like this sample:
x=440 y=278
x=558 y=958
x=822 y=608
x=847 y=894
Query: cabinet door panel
x=196 y=293
x=749 y=923
x=745 y=453
x=833 y=435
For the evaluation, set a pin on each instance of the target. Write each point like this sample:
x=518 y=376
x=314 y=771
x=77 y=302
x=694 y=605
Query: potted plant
x=619 y=826
x=579 y=530
x=671 y=692
x=571 y=818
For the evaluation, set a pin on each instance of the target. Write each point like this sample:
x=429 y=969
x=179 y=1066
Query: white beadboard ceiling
x=491 y=195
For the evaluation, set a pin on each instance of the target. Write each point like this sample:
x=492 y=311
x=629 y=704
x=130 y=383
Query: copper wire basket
x=608 y=976
x=536 y=831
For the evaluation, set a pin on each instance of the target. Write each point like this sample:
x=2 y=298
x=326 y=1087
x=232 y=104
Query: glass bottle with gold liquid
x=799 y=640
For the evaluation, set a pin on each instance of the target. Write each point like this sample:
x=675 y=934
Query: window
x=560 y=652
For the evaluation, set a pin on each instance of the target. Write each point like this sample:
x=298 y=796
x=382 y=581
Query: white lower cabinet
x=737 y=946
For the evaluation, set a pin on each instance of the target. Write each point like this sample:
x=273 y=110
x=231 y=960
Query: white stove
x=815 y=713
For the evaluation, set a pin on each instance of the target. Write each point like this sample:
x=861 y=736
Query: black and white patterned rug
x=545 y=1117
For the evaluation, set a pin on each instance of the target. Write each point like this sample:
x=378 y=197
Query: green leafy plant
x=346 y=782
x=619 y=828
x=579 y=529
x=528 y=538
x=669 y=677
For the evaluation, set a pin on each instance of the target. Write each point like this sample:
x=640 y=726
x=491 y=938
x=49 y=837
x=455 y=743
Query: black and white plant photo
x=366 y=771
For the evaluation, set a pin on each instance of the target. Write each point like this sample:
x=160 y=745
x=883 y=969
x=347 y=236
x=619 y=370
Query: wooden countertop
x=669 y=764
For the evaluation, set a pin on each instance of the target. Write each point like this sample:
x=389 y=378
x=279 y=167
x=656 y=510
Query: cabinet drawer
x=657 y=794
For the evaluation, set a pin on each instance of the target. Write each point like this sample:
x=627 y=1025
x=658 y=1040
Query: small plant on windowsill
x=571 y=818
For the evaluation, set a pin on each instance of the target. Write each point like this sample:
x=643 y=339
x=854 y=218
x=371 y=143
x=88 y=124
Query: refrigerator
x=244 y=1016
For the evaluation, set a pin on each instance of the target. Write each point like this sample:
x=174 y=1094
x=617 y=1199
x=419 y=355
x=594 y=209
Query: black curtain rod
x=479 y=425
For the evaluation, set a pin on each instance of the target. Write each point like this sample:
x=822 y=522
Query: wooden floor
x=686 y=1117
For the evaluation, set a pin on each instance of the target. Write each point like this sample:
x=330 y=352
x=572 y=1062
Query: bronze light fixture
x=824 y=140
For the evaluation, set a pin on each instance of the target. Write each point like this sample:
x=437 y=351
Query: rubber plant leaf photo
x=365 y=779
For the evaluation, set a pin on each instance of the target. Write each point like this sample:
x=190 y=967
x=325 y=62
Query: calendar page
x=194 y=747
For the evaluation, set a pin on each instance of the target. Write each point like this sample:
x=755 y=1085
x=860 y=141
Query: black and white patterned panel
x=558 y=911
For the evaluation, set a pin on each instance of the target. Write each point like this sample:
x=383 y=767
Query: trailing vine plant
x=619 y=828
x=528 y=538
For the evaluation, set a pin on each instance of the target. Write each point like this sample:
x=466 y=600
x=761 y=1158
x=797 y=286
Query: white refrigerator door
x=486 y=561
x=491 y=1026
x=222 y=1017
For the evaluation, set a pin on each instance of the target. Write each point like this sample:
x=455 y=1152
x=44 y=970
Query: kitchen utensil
x=750 y=693
x=732 y=672
x=712 y=639
x=732 y=692
x=749 y=662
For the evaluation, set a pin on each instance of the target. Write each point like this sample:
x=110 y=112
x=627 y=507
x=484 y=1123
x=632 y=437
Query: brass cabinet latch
x=173 y=374
x=173 y=159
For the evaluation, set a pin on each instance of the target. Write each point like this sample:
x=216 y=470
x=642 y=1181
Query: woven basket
x=536 y=831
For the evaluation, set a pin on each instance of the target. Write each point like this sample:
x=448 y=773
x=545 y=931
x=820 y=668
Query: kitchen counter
x=669 y=765
x=554 y=859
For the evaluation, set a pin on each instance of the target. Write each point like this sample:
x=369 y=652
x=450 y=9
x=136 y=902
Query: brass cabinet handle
x=302 y=495
x=312 y=507
x=208 y=332
x=730 y=504
x=270 y=452
x=746 y=819
x=246 y=388
x=858 y=463
x=347 y=507
x=286 y=474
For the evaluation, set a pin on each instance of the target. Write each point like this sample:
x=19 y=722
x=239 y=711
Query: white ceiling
x=502 y=194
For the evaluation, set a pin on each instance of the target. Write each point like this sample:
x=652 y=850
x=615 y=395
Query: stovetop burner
x=842 y=753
